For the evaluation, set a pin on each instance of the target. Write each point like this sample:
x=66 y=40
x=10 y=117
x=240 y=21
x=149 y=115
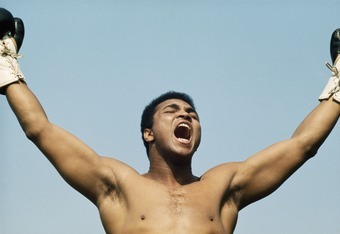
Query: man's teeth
x=184 y=125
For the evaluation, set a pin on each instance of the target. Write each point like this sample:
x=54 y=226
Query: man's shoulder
x=225 y=170
x=116 y=170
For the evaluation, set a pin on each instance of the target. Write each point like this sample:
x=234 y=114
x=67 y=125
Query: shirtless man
x=168 y=198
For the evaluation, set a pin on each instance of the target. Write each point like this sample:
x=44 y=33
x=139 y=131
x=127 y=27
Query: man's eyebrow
x=173 y=105
x=177 y=107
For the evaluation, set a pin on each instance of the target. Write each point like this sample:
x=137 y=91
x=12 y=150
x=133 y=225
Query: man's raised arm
x=77 y=163
x=265 y=171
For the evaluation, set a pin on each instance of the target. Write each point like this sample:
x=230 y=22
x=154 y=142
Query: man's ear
x=148 y=135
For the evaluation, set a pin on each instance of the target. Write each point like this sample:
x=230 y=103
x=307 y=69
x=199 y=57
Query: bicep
x=77 y=163
x=264 y=172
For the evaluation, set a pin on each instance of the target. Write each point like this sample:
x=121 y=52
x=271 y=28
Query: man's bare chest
x=186 y=209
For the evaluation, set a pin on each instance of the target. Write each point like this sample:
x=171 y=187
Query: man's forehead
x=172 y=101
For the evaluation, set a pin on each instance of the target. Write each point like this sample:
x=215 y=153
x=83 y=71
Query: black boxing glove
x=19 y=32
x=7 y=24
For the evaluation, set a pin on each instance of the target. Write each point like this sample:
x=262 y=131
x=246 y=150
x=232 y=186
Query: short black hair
x=150 y=109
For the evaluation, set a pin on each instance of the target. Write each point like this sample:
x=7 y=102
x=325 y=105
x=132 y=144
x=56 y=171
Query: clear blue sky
x=254 y=69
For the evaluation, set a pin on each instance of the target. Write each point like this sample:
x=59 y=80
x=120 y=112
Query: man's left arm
x=264 y=172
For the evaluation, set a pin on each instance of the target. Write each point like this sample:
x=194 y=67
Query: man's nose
x=184 y=115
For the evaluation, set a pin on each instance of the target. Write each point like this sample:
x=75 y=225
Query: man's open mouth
x=183 y=132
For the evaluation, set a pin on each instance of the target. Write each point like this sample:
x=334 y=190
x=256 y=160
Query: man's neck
x=170 y=173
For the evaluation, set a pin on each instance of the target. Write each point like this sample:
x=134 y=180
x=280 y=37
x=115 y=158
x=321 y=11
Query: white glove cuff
x=10 y=71
x=333 y=86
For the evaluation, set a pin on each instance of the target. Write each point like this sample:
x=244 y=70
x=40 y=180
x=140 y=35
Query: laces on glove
x=336 y=79
x=333 y=69
x=333 y=85
x=7 y=51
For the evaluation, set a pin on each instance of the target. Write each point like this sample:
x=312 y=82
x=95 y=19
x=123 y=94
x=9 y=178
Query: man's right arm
x=76 y=162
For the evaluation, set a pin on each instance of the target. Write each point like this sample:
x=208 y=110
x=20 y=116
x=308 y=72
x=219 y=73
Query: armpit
x=110 y=190
x=232 y=198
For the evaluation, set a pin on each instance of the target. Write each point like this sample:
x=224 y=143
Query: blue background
x=254 y=69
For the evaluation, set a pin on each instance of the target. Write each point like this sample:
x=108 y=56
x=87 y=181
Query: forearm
x=315 y=128
x=27 y=109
